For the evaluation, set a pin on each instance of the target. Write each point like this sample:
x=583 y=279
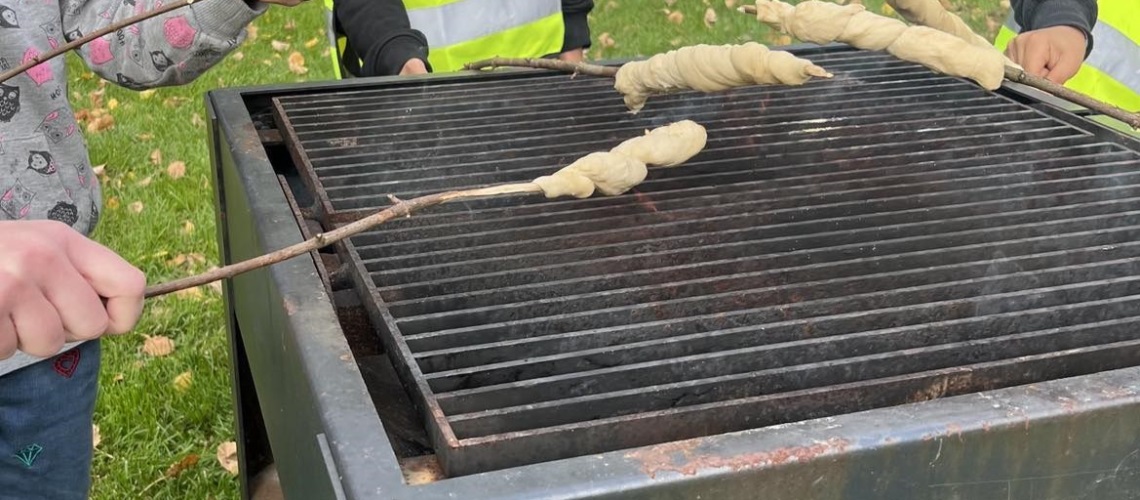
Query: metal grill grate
x=882 y=238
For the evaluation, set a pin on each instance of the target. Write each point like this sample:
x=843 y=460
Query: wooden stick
x=400 y=208
x=62 y=49
x=555 y=64
x=1020 y=76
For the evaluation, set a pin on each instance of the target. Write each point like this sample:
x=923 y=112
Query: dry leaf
x=158 y=346
x=146 y=94
x=710 y=17
x=783 y=40
x=730 y=3
x=145 y=136
x=279 y=46
x=101 y=123
x=118 y=377
x=174 y=102
x=606 y=40
x=182 y=381
x=112 y=104
x=182 y=465
x=155 y=157
x=187 y=227
x=297 y=63
x=176 y=169
x=216 y=286
x=251 y=32
x=197 y=121
x=676 y=17
x=227 y=457
x=290 y=24
x=190 y=293
x=237 y=56
x=98 y=169
x=112 y=203
x=887 y=10
x=95 y=437
x=145 y=182
x=136 y=207
x=312 y=42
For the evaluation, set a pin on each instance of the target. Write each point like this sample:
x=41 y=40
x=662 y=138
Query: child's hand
x=53 y=284
x=1055 y=53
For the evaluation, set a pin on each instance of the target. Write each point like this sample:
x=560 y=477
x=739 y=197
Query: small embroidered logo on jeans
x=28 y=455
x=66 y=363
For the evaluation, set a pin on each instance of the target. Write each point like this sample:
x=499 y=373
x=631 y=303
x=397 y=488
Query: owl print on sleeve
x=41 y=162
x=9 y=102
x=57 y=125
x=52 y=32
x=17 y=201
x=8 y=17
x=64 y=212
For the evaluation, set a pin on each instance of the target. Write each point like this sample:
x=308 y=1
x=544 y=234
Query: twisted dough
x=626 y=165
x=932 y=14
x=821 y=23
x=711 y=68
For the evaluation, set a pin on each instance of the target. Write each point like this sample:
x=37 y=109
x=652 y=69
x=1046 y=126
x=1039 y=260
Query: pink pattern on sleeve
x=99 y=50
x=40 y=73
x=179 y=33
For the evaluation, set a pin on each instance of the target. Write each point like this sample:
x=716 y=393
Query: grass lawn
x=157 y=411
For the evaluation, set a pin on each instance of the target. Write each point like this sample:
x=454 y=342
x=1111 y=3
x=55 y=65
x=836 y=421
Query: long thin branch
x=555 y=64
x=1020 y=76
x=62 y=49
x=401 y=208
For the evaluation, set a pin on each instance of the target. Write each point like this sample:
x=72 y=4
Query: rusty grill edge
x=885 y=238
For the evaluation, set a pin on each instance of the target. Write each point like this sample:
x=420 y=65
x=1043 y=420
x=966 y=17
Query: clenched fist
x=1054 y=53
x=58 y=286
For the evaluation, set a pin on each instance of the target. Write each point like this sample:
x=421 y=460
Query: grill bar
x=885 y=237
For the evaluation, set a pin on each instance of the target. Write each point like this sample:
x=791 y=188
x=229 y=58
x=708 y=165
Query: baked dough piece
x=616 y=171
x=822 y=23
x=932 y=14
x=711 y=68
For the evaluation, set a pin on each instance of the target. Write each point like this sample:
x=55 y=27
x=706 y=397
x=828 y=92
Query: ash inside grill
x=883 y=238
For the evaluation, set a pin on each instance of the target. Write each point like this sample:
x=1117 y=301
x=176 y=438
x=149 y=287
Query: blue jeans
x=46 y=412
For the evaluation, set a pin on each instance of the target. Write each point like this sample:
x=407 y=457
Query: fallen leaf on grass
x=155 y=157
x=100 y=124
x=187 y=227
x=112 y=203
x=176 y=169
x=95 y=437
x=227 y=457
x=237 y=56
x=312 y=42
x=279 y=46
x=676 y=17
x=251 y=32
x=197 y=121
x=118 y=377
x=730 y=3
x=146 y=94
x=182 y=465
x=190 y=293
x=605 y=40
x=887 y=10
x=112 y=104
x=145 y=182
x=158 y=346
x=182 y=381
x=145 y=136
x=173 y=102
x=710 y=17
x=297 y=63
x=136 y=207
x=98 y=169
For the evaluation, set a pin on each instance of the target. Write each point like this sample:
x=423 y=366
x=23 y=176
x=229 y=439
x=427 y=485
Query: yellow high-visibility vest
x=1112 y=71
x=463 y=31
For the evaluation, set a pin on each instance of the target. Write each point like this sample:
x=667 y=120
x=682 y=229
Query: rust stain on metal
x=682 y=457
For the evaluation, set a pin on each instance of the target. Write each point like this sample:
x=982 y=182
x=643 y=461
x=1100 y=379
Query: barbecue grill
x=890 y=284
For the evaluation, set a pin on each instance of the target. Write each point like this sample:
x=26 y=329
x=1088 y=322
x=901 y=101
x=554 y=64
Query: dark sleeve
x=575 y=14
x=1038 y=14
x=380 y=33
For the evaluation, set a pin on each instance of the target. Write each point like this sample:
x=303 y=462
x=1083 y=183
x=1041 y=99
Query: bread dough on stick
x=932 y=14
x=711 y=68
x=616 y=171
x=822 y=23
